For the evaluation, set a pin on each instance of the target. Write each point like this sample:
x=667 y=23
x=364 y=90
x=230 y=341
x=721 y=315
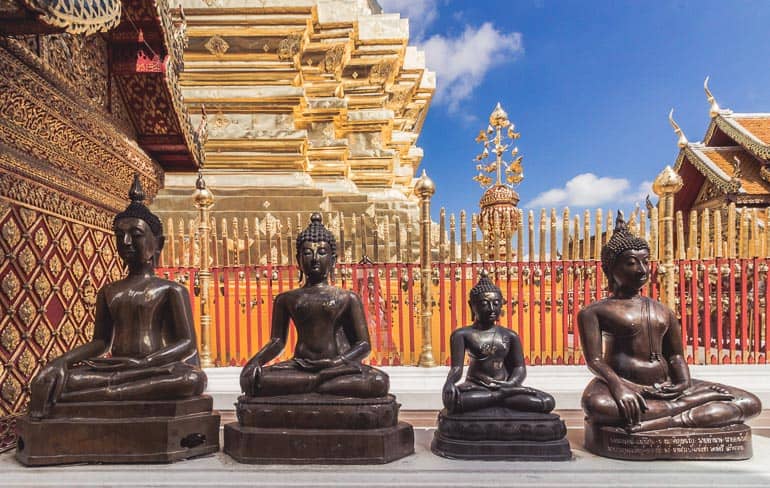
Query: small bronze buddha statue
x=633 y=344
x=143 y=351
x=491 y=415
x=323 y=405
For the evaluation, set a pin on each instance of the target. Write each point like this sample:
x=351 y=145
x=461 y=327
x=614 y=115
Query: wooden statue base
x=317 y=429
x=120 y=432
x=722 y=443
x=500 y=434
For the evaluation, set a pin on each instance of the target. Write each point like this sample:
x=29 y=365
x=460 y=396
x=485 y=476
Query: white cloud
x=461 y=63
x=421 y=14
x=589 y=190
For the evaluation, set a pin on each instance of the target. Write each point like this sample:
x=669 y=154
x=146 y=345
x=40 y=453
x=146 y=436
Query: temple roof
x=734 y=158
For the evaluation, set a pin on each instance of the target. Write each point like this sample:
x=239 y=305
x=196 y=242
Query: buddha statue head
x=138 y=232
x=624 y=258
x=316 y=250
x=485 y=300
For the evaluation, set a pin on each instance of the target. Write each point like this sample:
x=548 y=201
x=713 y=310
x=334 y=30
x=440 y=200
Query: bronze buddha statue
x=143 y=347
x=491 y=415
x=633 y=345
x=332 y=333
x=323 y=405
x=496 y=368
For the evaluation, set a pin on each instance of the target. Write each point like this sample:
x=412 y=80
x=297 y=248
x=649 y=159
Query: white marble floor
x=420 y=469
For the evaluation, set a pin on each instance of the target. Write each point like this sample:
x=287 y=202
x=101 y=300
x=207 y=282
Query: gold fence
x=706 y=265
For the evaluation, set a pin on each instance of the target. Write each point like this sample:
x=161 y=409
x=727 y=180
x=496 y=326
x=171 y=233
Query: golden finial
x=714 y=108
x=682 y=142
x=667 y=182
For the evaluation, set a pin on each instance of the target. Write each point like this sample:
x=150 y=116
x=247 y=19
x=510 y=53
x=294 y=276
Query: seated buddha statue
x=633 y=345
x=323 y=405
x=143 y=322
x=491 y=416
x=332 y=333
x=496 y=368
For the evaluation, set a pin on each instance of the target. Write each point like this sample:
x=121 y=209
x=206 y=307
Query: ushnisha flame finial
x=714 y=108
x=682 y=141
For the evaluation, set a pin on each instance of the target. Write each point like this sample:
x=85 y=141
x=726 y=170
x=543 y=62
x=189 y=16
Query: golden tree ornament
x=499 y=217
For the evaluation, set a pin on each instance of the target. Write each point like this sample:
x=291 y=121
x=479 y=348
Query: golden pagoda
x=309 y=104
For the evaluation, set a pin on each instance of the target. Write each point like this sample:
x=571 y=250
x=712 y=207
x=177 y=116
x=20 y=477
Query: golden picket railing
x=710 y=266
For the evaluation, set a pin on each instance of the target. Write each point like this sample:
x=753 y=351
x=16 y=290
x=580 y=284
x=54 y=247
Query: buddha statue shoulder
x=143 y=346
x=332 y=333
x=496 y=368
x=633 y=346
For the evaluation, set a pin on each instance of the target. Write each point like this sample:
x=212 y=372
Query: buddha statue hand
x=251 y=377
x=630 y=403
x=47 y=387
x=510 y=389
x=113 y=364
x=450 y=395
x=664 y=391
x=319 y=364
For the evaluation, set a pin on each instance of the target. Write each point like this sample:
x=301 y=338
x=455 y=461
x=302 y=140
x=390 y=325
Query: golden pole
x=666 y=184
x=204 y=200
x=424 y=189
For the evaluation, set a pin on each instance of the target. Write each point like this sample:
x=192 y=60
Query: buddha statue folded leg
x=348 y=379
x=475 y=397
x=702 y=405
x=168 y=382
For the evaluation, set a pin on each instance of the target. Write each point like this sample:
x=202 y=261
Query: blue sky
x=588 y=84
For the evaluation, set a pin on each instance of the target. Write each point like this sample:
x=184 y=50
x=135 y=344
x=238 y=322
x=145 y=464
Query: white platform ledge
x=420 y=388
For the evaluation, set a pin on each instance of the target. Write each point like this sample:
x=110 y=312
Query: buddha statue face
x=486 y=307
x=136 y=242
x=315 y=259
x=631 y=269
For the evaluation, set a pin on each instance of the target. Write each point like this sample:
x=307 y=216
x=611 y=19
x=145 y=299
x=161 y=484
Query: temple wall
x=67 y=157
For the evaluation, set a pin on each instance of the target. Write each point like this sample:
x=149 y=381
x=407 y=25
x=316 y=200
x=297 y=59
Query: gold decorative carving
x=41 y=239
x=88 y=248
x=78 y=311
x=381 y=71
x=89 y=292
x=75 y=149
x=42 y=335
x=11 y=234
x=98 y=271
x=42 y=286
x=28 y=217
x=333 y=58
x=27 y=260
x=67 y=290
x=10 y=390
x=54 y=265
x=289 y=47
x=77 y=269
x=78 y=16
x=26 y=363
x=10 y=337
x=27 y=311
x=10 y=285
x=65 y=244
x=82 y=60
x=217 y=46
x=67 y=332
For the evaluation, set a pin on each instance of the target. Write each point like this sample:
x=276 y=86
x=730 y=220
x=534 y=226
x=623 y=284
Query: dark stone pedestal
x=318 y=429
x=120 y=432
x=500 y=434
x=728 y=443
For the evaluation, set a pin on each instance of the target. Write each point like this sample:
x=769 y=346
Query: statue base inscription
x=732 y=442
x=120 y=432
x=317 y=429
x=501 y=434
